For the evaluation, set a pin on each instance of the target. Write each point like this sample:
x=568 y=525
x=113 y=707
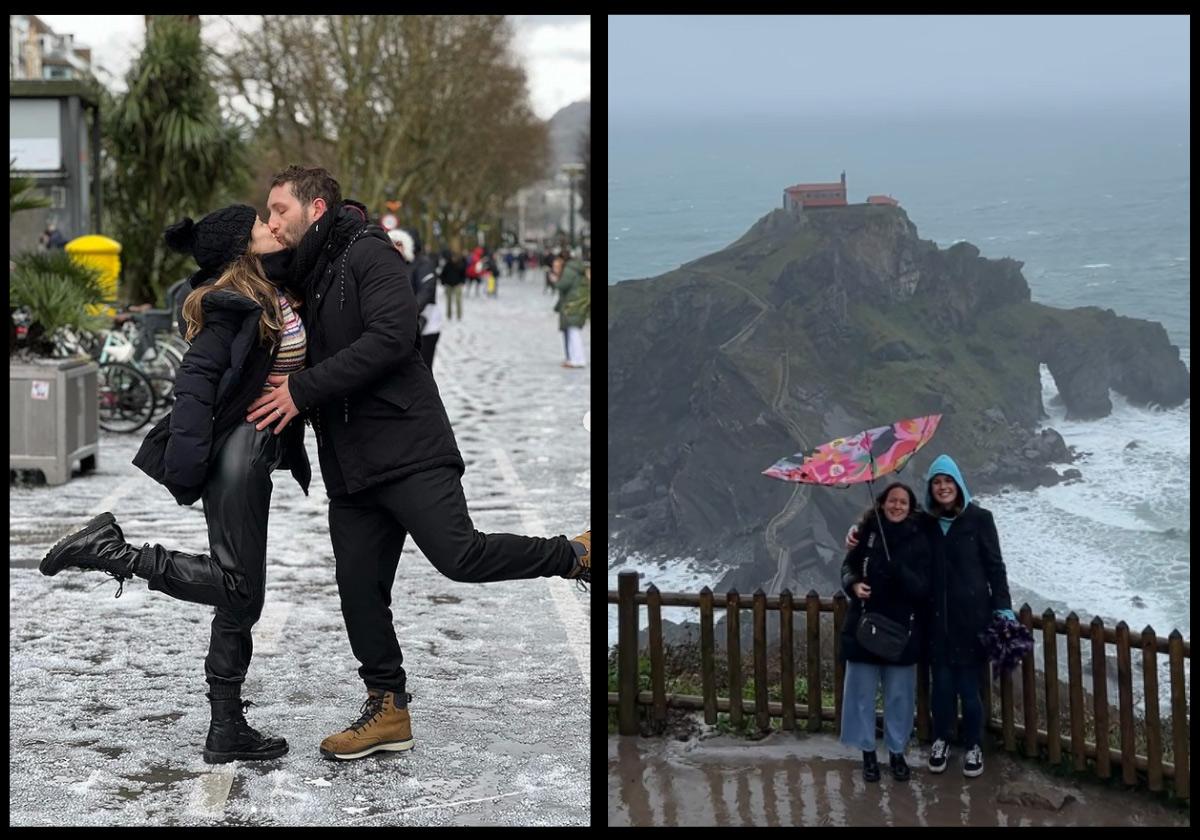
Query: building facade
x=54 y=138
x=37 y=52
x=797 y=198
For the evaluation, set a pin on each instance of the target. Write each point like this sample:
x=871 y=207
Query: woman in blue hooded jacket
x=968 y=583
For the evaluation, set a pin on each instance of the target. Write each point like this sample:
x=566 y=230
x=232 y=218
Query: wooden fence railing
x=1031 y=734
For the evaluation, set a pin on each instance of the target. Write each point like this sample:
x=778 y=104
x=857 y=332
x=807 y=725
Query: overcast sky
x=780 y=64
x=555 y=49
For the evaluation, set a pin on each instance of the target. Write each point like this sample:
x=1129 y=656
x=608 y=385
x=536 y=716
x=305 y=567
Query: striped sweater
x=290 y=357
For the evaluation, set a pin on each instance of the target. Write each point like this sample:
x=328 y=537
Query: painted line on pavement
x=119 y=492
x=212 y=791
x=574 y=621
x=445 y=804
x=270 y=625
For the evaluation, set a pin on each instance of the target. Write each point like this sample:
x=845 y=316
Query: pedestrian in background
x=572 y=294
x=476 y=268
x=424 y=286
x=454 y=277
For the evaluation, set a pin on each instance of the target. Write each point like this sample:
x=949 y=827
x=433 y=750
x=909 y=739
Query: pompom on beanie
x=217 y=239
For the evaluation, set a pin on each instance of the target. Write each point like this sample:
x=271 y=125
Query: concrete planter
x=52 y=416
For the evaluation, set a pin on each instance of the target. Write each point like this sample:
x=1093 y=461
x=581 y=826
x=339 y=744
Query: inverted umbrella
x=863 y=457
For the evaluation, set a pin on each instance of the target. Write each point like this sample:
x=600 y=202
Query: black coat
x=454 y=272
x=968 y=582
x=899 y=585
x=371 y=398
x=222 y=373
x=424 y=281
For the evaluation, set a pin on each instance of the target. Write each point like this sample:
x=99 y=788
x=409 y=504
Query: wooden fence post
x=627 y=653
x=1029 y=690
x=733 y=652
x=1050 y=672
x=1100 y=698
x=787 y=665
x=1075 y=683
x=1007 y=714
x=1179 y=722
x=839 y=667
x=1125 y=691
x=762 y=715
x=1154 y=768
x=657 y=675
x=707 y=656
x=813 y=608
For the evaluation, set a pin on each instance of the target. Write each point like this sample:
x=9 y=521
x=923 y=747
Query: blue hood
x=945 y=465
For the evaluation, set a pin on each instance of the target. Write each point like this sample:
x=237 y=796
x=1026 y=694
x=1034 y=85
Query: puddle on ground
x=453 y=634
x=171 y=716
x=445 y=599
x=111 y=752
x=789 y=780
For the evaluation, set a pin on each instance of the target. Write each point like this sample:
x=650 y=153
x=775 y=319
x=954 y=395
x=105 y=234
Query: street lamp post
x=572 y=170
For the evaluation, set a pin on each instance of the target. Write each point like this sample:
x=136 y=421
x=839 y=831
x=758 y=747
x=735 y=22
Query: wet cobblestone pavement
x=813 y=780
x=106 y=696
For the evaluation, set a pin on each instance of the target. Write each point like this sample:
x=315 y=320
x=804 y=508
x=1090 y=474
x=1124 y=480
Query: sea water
x=1097 y=207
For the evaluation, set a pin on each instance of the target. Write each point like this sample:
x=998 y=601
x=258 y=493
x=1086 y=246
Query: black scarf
x=278 y=267
x=324 y=240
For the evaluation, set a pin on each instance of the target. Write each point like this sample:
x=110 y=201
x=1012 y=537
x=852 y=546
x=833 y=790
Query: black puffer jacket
x=222 y=373
x=968 y=583
x=899 y=586
x=373 y=403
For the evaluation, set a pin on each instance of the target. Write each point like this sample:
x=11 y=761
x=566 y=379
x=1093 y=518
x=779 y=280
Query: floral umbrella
x=863 y=457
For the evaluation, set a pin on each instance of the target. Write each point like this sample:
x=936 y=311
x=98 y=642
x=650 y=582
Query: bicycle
x=127 y=396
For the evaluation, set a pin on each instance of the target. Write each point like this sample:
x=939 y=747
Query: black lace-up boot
x=870 y=766
x=230 y=738
x=100 y=546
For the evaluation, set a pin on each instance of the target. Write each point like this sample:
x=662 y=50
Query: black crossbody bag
x=879 y=635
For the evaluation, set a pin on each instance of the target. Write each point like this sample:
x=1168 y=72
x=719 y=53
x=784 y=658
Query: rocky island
x=819 y=324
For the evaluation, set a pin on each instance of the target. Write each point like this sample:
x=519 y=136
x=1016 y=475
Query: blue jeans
x=858 y=705
x=949 y=684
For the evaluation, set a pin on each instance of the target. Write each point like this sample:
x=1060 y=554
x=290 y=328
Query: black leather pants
x=237 y=499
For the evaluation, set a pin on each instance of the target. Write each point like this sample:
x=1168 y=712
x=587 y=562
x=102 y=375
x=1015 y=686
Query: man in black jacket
x=388 y=456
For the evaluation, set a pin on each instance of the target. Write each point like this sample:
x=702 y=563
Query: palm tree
x=169 y=153
x=20 y=192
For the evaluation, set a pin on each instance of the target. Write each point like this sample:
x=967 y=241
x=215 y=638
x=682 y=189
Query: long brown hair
x=246 y=277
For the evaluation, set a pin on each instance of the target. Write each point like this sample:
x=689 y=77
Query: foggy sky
x=749 y=65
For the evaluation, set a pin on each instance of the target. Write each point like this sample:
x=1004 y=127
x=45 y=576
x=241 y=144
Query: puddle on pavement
x=169 y=716
x=158 y=779
x=784 y=780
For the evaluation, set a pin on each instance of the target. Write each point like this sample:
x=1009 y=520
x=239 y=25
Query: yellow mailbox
x=102 y=253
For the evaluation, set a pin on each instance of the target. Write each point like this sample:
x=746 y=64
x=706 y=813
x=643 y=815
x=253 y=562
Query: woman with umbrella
x=886 y=574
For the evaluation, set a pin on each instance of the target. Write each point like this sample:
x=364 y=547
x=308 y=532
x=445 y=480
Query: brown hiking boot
x=381 y=726
x=583 y=561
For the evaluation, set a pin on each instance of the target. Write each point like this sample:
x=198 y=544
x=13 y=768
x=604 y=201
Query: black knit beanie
x=217 y=239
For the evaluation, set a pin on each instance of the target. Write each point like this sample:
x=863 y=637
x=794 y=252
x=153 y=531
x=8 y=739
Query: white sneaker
x=939 y=755
x=973 y=762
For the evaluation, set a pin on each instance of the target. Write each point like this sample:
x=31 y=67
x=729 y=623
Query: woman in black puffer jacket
x=888 y=576
x=242 y=328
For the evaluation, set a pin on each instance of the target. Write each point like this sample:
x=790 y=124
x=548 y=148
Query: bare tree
x=427 y=110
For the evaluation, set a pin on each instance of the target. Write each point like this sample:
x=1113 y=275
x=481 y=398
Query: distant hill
x=565 y=127
x=820 y=324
